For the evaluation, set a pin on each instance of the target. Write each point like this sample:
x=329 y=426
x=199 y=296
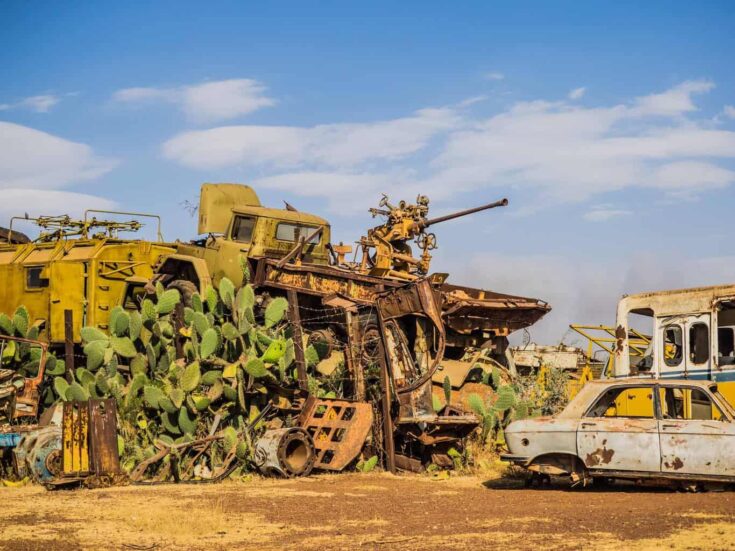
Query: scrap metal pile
x=295 y=360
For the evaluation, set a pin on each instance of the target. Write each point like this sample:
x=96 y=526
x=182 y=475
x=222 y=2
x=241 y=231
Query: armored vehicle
x=78 y=265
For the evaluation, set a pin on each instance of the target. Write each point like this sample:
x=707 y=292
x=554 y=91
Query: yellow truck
x=78 y=265
x=237 y=227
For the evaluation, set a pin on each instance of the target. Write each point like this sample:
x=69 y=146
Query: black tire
x=185 y=288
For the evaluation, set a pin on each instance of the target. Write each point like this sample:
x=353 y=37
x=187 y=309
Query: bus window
x=698 y=343
x=672 y=344
x=726 y=334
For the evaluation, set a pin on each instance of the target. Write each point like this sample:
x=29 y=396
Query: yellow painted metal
x=75 y=439
x=216 y=202
x=87 y=276
x=637 y=402
x=219 y=206
x=575 y=385
x=603 y=337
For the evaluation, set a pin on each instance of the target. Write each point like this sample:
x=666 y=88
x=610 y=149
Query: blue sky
x=609 y=125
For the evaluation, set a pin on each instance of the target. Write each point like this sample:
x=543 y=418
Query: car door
x=696 y=437
x=620 y=431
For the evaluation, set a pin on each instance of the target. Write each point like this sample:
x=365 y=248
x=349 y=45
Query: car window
x=690 y=404
x=294 y=232
x=634 y=402
x=242 y=229
x=724 y=402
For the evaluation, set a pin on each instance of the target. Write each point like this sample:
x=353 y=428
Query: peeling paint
x=600 y=456
x=676 y=464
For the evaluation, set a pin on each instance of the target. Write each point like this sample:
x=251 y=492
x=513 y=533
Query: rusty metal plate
x=339 y=429
x=75 y=449
x=103 y=437
x=89 y=438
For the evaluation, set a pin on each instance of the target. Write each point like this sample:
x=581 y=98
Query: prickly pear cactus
x=175 y=378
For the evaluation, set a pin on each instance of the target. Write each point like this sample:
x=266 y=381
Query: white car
x=632 y=428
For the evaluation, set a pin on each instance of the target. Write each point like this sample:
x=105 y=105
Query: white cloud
x=494 y=76
x=572 y=153
x=328 y=145
x=675 y=101
x=38 y=104
x=603 y=213
x=577 y=93
x=44 y=202
x=561 y=151
x=580 y=291
x=729 y=111
x=34 y=166
x=207 y=102
x=33 y=159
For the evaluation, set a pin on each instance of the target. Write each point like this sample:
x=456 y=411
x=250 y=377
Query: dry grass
x=332 y=512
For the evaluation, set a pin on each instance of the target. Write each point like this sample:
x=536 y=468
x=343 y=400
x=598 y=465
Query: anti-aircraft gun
x=385 y=249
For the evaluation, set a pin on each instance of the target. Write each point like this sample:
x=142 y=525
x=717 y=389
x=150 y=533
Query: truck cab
x=235 y=227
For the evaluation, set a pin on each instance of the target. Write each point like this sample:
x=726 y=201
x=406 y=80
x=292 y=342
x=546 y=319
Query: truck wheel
x=185 y=288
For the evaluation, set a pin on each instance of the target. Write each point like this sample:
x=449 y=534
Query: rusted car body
x=673 y=429
x=19 y=396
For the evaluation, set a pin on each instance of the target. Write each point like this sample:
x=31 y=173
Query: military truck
x=78 y=265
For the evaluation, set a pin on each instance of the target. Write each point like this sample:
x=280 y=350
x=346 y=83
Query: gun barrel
x=501 y=203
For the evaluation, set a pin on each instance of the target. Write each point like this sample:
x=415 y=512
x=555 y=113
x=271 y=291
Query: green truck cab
x=237 y=228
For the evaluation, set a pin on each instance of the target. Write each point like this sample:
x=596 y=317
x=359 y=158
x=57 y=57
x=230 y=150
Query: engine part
x=287 y=452
x=38 y=454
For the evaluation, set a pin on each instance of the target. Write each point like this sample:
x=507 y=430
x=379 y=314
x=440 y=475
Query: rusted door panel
x=619 y=444
x=697 y=447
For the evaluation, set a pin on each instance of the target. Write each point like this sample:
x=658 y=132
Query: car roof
x=651 y=381
x=589 y=392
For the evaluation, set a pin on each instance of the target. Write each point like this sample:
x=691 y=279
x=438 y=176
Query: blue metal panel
x=9 y=439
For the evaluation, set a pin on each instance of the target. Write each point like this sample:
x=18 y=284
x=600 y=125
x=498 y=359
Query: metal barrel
x=427 y=223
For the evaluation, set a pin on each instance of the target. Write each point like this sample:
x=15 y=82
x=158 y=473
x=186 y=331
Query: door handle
x=669 y=426
x=589 y=425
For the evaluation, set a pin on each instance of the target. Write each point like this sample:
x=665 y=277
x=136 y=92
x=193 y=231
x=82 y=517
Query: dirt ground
x=365 y=511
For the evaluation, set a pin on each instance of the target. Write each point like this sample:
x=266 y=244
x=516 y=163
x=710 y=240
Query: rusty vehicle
x=686 y=333
x=30 y=442
x=79 y=265
x=286 y=248
x=381 y=317
x=382 y=323
x=65 y=443
x=20 y=395
x=667 y=429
